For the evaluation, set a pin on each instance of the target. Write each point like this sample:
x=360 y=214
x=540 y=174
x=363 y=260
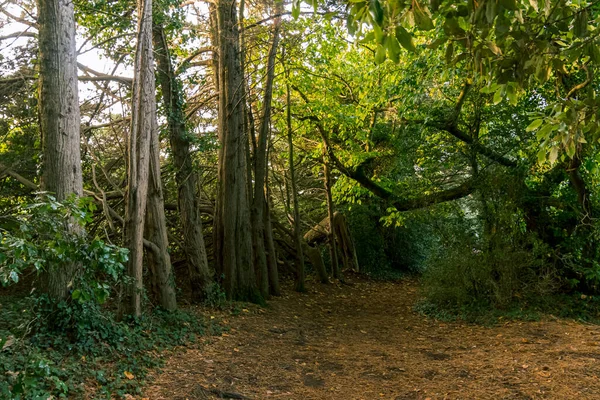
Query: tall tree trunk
x=335 y=269
x=159 y=260
x=260 y=170
x=186 y=177
x=143 y=114
x=59 y=119
x=297 y=235
x=232 y=220
x=217 y=226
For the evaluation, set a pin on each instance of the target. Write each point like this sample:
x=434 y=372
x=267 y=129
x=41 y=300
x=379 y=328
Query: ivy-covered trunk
x=185 y=175
x=59 y=120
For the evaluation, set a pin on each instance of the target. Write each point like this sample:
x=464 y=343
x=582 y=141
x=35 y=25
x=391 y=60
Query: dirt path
x=364 y=341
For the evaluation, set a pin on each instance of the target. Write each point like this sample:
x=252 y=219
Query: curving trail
x=364 y=341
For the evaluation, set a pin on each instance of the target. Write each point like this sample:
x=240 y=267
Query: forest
x=318 y=199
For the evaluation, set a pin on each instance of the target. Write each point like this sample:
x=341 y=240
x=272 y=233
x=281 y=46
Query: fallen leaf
x=128 y=375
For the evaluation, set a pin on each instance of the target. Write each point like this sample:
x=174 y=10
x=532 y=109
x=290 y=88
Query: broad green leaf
x=379 y=54
x=571 y=148
x=498 y=95
x=545 y=131
x=422 y=19
x=553 y=154
x=393 y=49
x=376 y=12
x=449 y=52
x=405 y=39
x=534 y=125
x=491 y=10
x=508 y=4
x=437 y=43
x=541 y=155
x=580 y=24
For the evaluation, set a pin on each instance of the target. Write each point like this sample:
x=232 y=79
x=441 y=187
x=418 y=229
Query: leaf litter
x=363 y=340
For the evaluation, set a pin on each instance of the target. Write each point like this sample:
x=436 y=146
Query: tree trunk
x=345 y=242
x=297 y=236
x=59 y=120
x=232 y=221
x=260 y=169
x=143 y=113
x=186 y=177
x=335 y=269
x=159 y=260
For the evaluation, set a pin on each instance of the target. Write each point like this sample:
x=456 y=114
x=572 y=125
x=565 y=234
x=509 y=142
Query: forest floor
x=363 y=340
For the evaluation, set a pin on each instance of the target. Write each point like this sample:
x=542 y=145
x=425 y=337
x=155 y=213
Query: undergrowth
x=578 y=307
x=75 y=351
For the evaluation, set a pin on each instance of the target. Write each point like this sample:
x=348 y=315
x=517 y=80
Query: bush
x=36 y=236
x=489 y=274
x=49 y=349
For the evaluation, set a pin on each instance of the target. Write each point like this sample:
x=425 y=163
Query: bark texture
x=185 y=175
x=59 y=119
x=233 y=246
x=259 y=204
x=143 y=113
x=159 y=260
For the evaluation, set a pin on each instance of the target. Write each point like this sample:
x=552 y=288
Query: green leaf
x=534 y=125
x=379 y=54
x=393 y=49
x=437 y=43
x=509 y=4
x=422 y=20
x=553 y=154
x=571 y=149
x=376 y=12
x=541 y=155
x=76 y=294
x=295 y=9
x=498 y=95
x=449 y=52
x=405 y=39
x=491 y=10
x=545 y=131
x=580 y=24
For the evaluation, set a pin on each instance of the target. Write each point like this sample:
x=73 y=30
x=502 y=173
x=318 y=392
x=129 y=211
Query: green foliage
x=46 y=234
x=216 y=297
x=52 y=349
x=493 y=272
x=385 y=251
x=64 y=350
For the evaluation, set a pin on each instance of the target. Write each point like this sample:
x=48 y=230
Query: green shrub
x=490 y=275
x=49 y=349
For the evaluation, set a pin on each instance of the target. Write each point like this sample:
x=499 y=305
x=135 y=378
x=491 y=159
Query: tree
x=143 y=114
x=233 y=241
x=185 y=175
x=59 y=119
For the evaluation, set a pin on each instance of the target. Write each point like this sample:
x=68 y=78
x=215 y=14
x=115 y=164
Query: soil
x=363 y=340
